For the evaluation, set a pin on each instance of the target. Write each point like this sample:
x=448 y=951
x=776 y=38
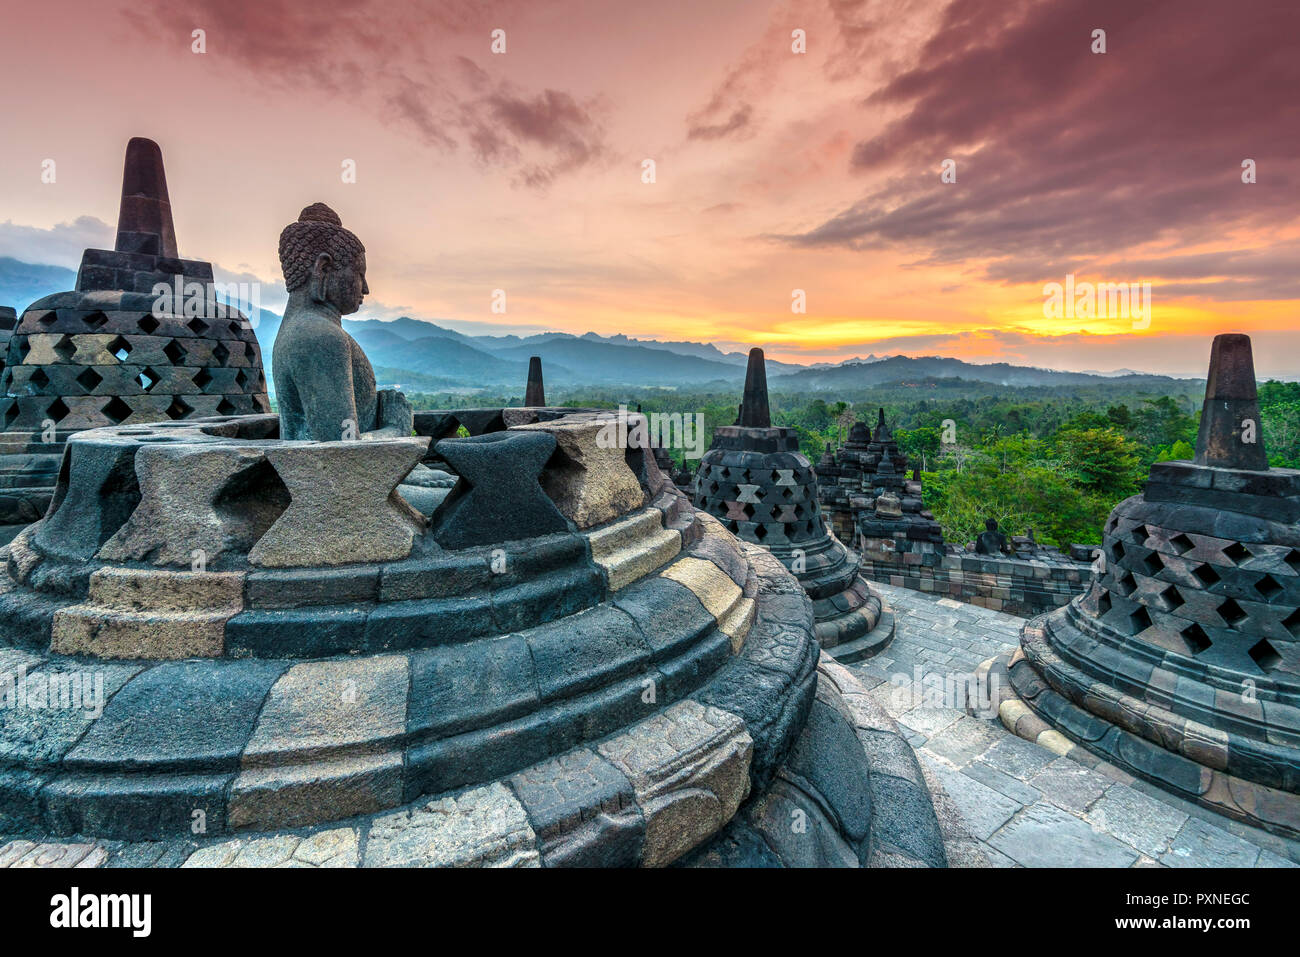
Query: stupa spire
x=534 y=394
x=1231 y=435
x=144 y=222
x=754 y=411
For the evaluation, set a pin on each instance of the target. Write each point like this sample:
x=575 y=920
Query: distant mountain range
x=423 y=356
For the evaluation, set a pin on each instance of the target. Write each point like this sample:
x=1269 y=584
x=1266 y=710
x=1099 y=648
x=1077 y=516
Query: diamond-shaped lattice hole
x=1265 y=655
x=175 y=353
x=241 y=379
x=1171 y=598
x=1139 y=534
x=66 y=348
x=760 y=532
x=1117 y=551
x=1103 y=603
x=798 y=510
x=89 y=379
x=148 y=324
x=1292 y=623
x=1237 y=553
x=1196 y=638
x=147 y=378
x=49 y=317
x=11 y=413
x=225 y=407
x=39 y=378
x=233 y=327
x=1268 y=586
x=58 y=410
x=1206 y=575
x=1231 y=612
x=120 y=348
x=748 y=509
x=202 y=378
x=1293 y=560
x=220 y=353
x=1139 y=620
x=197 y=326
x=179 y=408
x=24 y=347
x=116 y=410
x=1182 y=544
x=95 y=320
x=1125 y=584
x=1153 y=564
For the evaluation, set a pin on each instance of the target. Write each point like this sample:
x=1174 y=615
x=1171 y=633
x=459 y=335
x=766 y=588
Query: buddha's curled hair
x=318 y=230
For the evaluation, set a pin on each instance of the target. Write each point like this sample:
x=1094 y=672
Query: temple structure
x=564 y=664
x=1181 y=662
x=873 y=503
x=755 y=480
x=115 y=352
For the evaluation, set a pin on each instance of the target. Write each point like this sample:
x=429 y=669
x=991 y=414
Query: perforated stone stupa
x=756 y=481
x=1181 y=662
x=564 y=664
x=111 y=353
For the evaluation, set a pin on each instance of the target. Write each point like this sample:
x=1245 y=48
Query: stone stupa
x=113 y=352
x=1181 y=662
x=755 y=480
x=566 y=664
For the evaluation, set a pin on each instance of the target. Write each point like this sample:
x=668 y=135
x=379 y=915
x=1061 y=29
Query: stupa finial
x=754 y=411
x=1231 y=435
x=144 y=222
x=534 y=393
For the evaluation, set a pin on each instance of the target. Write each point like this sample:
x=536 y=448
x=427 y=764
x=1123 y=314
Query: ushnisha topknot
x=318 y=230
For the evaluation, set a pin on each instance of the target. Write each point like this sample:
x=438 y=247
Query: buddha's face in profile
x=346 y=284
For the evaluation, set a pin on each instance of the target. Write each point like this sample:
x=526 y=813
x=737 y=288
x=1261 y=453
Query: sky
x=774 y=170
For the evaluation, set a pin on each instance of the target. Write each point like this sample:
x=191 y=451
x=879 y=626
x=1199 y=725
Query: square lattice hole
x=179 y=408
x=1231 y=612
x=1181 y=544
x=89 y=379
x=1171 y=598
x=1153 y=564
x=119 y=348
x=1292 y=623
x=1125 y=584
x=1206 y=575
x=1196 y=638
x=1265 y=655
x=116 y=410
x=1139 y=535
x=1237 y=553
x=1139 y=621
x=175 y=353
x=148 y=324
x=1268 y=586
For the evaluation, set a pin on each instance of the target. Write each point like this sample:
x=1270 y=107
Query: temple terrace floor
x=1025 y=804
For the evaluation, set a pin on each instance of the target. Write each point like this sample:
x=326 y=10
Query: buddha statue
x=324 y=383
x=991 y=541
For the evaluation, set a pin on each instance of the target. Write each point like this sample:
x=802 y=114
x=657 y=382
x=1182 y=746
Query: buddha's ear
x=319 y=283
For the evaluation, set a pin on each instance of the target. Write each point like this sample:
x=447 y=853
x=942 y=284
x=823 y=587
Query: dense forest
x=1052 y=459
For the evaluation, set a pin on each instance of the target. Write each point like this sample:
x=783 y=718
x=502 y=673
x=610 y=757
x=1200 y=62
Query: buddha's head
x=318 y=255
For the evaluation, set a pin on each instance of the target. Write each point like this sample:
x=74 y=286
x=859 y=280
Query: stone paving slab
x=1023 y=804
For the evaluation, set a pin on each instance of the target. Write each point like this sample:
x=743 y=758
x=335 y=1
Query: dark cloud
x=396 y=58
x=737 y=122
x=1064 y=155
